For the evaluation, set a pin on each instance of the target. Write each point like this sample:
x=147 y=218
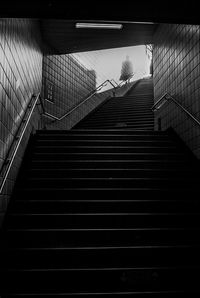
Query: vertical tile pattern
x=20 y=77
x=176 y=60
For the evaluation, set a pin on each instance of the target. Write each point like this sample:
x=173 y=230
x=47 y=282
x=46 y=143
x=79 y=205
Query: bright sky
x=107 y=63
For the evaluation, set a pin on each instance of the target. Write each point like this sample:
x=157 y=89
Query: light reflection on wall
x=176 y=63
x=107 y=63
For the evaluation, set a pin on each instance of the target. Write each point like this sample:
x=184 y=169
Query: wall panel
x=176 y=60
x=20 y=77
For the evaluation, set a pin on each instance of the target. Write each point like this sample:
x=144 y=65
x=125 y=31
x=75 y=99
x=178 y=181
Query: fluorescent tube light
x=99 y=26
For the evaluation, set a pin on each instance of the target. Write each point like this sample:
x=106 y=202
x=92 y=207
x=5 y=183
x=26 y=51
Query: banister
x=82 y=102
x=153 y=108
x=17 y=140
x=167 y=97
x=114 y=82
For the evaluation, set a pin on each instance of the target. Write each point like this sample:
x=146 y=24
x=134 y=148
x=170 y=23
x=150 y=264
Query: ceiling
x=57 y=19
x=63 y=37
x=168 y=11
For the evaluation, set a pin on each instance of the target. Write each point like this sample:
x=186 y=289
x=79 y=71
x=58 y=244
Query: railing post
x=16 y=143
x=159 y=124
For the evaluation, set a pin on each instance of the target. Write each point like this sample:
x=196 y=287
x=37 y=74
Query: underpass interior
x=100 y=197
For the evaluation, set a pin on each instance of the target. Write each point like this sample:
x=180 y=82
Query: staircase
x=108 y=208
x=132 y=111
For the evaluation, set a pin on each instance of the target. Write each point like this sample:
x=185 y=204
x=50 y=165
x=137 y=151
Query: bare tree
x=127 y=70
x=149 y=53
x=149 y=50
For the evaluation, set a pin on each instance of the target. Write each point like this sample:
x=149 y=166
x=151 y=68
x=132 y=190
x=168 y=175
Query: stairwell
x=131 y=111
x=107 y=208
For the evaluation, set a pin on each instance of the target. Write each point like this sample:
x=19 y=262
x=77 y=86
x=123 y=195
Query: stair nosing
x=105 y=247
x=103 y=293
x=100 y=214
x=111 y=169
x=104 y=179
x=17 y=230
x=107 y=200
x=101 y=269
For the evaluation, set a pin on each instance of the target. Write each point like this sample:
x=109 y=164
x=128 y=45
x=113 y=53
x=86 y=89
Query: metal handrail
x=167 y=97
x=130 y=76
x=17 y=140
x=82 y=102
x=115 y=82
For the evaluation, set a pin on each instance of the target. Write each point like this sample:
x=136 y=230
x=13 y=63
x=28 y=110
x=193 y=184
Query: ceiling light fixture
x=98 y=26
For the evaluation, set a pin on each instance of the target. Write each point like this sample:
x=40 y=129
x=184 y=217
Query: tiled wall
x=176 y=62
x=65 y=83
x=20 y=77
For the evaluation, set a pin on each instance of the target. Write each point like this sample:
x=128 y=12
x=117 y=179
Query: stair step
x=107 y=149
x=118 y=121
x=149 y=182
x=128 y=101
x=103 y=205
x=106 y=193
x=124 y=111
x=125 y=115
x=109 y=136
x=110 y=164
x=115 y=173
x=101 y=131
x=103 y=220
x=128 y=107
x=103 y=142
x=106 y=155
x=147 y=127
x=121 y=119
x=131 y=116
x=43 y=235
x=132 y=97
x=61 y=257
x=102 y=279
x=133 y=104
x=128 y=113
x=142 y=114
x=111 y=294
x=100 y=257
